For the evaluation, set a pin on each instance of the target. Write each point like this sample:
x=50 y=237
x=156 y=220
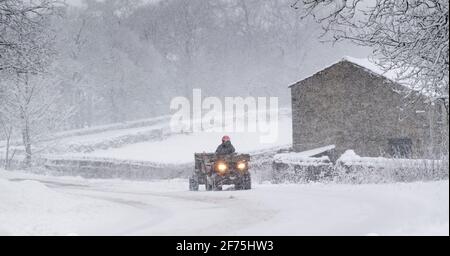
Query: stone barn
x=354 y=105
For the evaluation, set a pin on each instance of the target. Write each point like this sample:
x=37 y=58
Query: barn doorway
x=400 y=147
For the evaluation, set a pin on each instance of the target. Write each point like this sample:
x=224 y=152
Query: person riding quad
x=226 y=147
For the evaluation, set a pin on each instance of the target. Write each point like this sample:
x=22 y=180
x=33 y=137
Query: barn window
x=440 y=114
x=400 y=147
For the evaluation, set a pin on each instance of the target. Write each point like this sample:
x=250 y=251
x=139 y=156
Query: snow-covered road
x=43 y=205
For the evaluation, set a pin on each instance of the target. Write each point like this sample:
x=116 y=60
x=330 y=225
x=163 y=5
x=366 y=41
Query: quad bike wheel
x=208 y=184
x=245 y=183
x=193 y=183
x=211 y=184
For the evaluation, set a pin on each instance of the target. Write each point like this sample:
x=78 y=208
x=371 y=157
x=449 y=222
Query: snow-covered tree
x=26 y=54
x=411 y=36
x=7 y=124
x=123 y=60
x=31 y=108
x=21 y=23
x=109 y=68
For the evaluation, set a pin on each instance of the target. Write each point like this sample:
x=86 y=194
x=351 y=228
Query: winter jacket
x=225 y=148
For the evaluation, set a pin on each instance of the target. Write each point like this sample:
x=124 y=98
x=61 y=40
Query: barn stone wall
x=351 y=107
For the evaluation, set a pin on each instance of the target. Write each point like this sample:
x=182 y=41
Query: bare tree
x=6 y=129
x=31 y=108
x=20 y=23
x=410 y=36
x=26 y=53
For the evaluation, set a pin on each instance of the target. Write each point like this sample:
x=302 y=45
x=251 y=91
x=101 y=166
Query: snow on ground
x=41 y=205
x=29 y=208
x=95 y=137
x=351 y=158
x=304 y=157
x=108 y=134
x=130 y=141
x=179 y=148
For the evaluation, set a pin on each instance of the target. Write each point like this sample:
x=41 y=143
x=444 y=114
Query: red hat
x=226 y=138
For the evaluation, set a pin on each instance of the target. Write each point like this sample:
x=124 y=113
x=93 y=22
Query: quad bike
x=215 y=170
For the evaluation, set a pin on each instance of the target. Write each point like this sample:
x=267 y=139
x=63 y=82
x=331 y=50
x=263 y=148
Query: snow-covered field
x=45 y=205
x=179 y=148
x=151 y=140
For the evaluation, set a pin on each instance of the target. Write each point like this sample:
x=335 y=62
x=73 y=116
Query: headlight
x=221 y=167
x=241 y=166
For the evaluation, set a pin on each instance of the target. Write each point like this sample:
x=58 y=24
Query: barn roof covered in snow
x=367 y=65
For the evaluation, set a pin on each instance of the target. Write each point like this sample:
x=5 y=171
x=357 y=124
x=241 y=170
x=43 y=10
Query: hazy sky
x=73 y=2
x=78 y=2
